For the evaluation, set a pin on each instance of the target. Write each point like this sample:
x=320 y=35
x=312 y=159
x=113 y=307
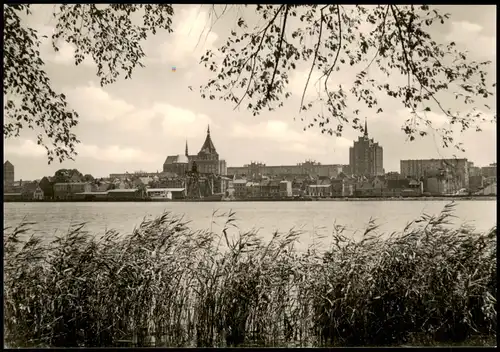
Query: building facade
x=366 y=157
x=476 y=182
x=489 y=171
x=207 y=160
x=8 y=174
x=69 y=190
x=255 y=170
x=457 y=170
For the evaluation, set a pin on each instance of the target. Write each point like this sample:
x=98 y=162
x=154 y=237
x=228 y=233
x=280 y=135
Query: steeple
x=366 y=128
x=208 y=146
x=187 y=153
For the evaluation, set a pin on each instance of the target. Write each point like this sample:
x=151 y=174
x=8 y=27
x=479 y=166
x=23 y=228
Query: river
x=314 y=218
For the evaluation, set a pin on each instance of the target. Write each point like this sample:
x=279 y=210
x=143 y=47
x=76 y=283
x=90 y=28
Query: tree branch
x=254 y=55
x=328 y=73
x=314 y=59
x=278 y=55
x=381 y=38
x=411 y=66
x=408 y=64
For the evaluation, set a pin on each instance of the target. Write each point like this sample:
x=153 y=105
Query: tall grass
x=164 y=284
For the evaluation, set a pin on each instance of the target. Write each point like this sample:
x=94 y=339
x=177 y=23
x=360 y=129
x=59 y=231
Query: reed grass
x=164 y=284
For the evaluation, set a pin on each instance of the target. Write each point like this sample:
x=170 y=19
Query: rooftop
x=165 y=190
x=92 y=193
x=129 y=190
x=208 y=147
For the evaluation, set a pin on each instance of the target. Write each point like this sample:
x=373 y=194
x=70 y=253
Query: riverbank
x=167 y=285
x=338 y=199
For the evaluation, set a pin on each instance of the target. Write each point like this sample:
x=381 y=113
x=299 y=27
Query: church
x=207 y=160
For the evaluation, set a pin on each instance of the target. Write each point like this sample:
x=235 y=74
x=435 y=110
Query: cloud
x=112 y=153
x=298 y=82
x=190 y=39
x=274 y=130
x=469 y=36
x=26 y=148
x=182 y=122
x=115 y=154
x=301 y=148
x=438 y=119
x=303 y=142
x=95 y=104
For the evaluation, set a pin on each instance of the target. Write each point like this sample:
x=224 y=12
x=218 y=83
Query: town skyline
x=134 y=124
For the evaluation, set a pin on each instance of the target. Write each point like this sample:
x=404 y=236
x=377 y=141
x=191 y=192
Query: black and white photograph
x=249 y=175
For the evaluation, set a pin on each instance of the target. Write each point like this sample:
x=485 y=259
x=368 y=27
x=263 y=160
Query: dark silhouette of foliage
x=88 y=178
x=65 y=175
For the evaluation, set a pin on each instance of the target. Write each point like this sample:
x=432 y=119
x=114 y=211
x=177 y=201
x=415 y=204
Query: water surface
x=311 y=217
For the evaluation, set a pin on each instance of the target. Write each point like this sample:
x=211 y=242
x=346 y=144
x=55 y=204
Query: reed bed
x=164 y=284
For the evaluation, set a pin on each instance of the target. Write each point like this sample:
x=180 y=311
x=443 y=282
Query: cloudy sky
x=134 y=124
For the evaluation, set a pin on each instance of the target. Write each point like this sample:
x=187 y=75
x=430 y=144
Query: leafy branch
x=402 y=43
x=106 y=34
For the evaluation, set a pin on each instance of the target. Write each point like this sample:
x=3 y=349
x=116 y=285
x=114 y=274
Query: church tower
x=207 y=151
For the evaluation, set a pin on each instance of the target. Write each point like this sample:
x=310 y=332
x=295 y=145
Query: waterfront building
x=286 y=189
x=69 y=190
x=140 y=174
x=38 y=194
x=473 y=170
x=167 y=193
x=207 y=160
x=392 y=175
x=239 y=186
x=455 y=170
x=366 y=157
x=476 y=183
x=124 y=194
x=490 y=190
x=489 y=171
x=8 y=174
x=28 y=189
x=256 y=170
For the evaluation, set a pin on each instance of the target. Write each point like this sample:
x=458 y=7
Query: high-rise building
x=489 y=171
x=456 y=170
x=366 y=156
x=473 y=170
x=8 y=173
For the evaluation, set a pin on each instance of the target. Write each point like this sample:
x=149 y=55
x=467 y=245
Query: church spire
x=187 y=153
x=366 y=128
x=208 y=146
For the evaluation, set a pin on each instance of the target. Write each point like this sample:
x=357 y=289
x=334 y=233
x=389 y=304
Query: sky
x=133 y=125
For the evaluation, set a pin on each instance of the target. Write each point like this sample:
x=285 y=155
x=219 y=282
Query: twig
x=217 y=17
x=278 y=56
x=408 y=65
x=254 y=55
x=328 y=73
x=381 y=38
x=314 y=59
x=411 y=66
